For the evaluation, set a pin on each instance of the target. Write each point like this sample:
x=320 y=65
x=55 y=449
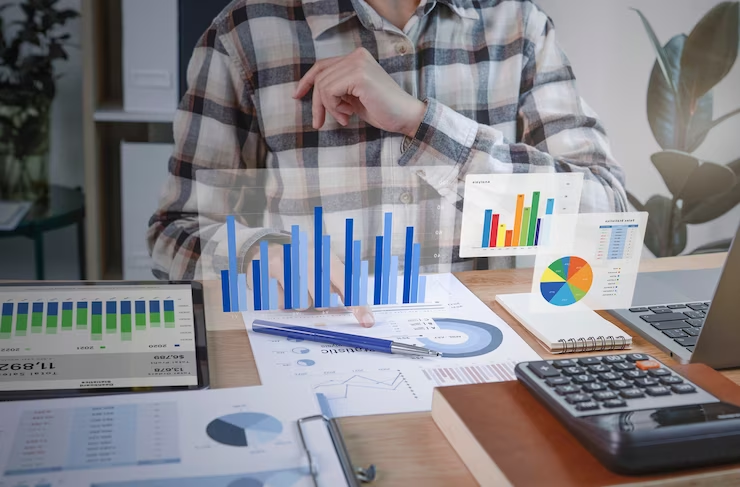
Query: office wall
x=613 y=58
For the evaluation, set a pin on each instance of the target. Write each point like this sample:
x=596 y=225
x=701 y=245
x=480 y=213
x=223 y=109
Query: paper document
x=228 y=437
x=478 y=347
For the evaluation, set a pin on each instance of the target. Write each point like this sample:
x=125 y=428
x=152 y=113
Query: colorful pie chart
x=566 y=281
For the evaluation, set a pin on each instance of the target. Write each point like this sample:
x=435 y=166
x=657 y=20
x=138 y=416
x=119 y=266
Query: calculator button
x=605 y=395
x=609 y=376
x=583 y=378
x=569 y=389
x=631 y=393
x=636 y=357
x=658 y=391
x=587 y=406
x=683 y=388
x=659 y=372
x=613 y=359
x=563 y=363
x=557 y=381
x=576 y=398
x=647 y=382
x=619 y=384
x=597 y=369
x=634 y=374
x=670 y=380
x=543 y=370
x=623 y=367
x=593 y=387
x=573 y=370
x=647 y=364
x=589 y=361
x=614 y=403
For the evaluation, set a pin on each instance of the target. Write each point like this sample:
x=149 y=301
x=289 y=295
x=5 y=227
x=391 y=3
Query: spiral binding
x=591 y=344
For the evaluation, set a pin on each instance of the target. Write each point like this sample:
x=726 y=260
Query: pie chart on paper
x=566 y=281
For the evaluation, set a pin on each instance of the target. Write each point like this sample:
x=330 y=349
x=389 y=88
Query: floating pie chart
x=566 y=281
x=244 y=429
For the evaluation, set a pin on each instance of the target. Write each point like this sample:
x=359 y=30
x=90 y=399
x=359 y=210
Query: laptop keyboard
x=681 y=322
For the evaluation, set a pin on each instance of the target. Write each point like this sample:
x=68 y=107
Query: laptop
x=692 y=315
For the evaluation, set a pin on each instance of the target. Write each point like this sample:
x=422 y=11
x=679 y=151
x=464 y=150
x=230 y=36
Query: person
x=454 y=86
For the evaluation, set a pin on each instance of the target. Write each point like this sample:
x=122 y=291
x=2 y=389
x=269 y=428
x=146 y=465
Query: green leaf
x=675 y=168
x=708 y=180
x=716 y=205
x=635 y=202
x=709 y=53
x=713 y=247
x=662 y=60
x=656 y=236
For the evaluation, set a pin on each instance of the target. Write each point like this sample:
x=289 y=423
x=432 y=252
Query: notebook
x=581 y=330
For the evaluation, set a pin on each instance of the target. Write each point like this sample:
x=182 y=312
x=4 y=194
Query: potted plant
x=680 y=108
x=29 y=48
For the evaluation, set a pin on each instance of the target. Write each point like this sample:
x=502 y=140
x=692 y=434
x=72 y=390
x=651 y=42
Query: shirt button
x=401 y=49
x=406 y=198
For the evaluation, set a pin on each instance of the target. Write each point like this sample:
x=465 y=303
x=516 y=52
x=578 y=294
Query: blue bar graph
x=242 y=288
x=422 y=289
x=303 y=275
x=273 y=294
x=287 y=276
x=7 y=309
x=356 y=257
x=364 y=278
x=550 y=206
x=233 y=270
x=225 y=291
x=407 y=265
x=393 y=291
x=318 y=254
x=326 y=276
x=416 y=256
x=487 y=229
x=257 y=285
x=295 y=249
x=334 y=300
x=348 y=260
x=379 y=277
x=265 y=273
x=66 y=306
x=387 y=248
x=140 y=307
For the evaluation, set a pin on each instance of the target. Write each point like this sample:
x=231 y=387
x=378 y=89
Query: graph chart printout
x=217 y=438
x=591 y=262
x=477 y=345
x=72 y=337
x=511 y=214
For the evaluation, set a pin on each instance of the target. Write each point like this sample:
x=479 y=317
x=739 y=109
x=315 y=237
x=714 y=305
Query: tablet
x=101 y=337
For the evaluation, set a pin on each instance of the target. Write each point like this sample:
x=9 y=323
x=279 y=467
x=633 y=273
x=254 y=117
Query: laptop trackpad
x=675 y=286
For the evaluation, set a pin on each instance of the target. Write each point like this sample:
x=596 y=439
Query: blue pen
x=342 y=339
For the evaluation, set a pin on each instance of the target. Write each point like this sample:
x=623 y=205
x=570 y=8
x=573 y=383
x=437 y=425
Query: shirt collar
x=322 y=15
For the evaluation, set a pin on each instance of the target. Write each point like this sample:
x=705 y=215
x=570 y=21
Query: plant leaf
x=662 y=60
x=660 y=207
x=708 y=180
x=635 y=202
x=675 y=168
x=716 y=205
x=713 y=247
x=710 y=52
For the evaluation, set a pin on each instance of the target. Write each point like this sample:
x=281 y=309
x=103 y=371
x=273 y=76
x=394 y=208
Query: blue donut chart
x=482 y=338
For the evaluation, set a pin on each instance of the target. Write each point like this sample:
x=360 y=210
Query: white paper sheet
x=478 y=347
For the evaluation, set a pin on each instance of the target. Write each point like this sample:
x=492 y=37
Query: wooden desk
x=408 y=449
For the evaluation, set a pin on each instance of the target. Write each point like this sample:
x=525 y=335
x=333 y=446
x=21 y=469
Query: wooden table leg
x=38 y=252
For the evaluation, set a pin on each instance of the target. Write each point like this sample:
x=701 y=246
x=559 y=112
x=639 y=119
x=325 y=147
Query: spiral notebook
x=582 y=330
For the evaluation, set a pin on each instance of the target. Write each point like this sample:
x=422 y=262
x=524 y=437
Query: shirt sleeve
x=556 y=131
x=216 y=139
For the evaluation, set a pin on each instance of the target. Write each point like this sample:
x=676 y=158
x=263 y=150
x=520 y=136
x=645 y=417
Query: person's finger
x=305 y=83
x=318 y=112
x=363 y=314
x=331 y=85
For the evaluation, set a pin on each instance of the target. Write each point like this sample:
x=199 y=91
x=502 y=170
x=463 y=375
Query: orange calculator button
x=647 y=364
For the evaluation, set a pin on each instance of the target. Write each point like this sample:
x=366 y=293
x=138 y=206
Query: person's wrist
x=416 y=116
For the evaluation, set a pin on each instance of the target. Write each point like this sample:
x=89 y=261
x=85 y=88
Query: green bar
x=37 y=322
x=533 y=219
x=97 y=327
x=154 y=320
x=6 y=327
x=126 y=326
x=67 y=319
x=140 y=321
x=21 y=325
x=125 y=337
x=81 y=318
x=525 y=227
x=110 y=323
x=51 y=324
x=169 y=319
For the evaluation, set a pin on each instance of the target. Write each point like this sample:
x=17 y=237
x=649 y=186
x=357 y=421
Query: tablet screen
x=97 y=337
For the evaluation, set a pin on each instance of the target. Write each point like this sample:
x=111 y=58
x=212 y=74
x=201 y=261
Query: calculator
x=635 y=414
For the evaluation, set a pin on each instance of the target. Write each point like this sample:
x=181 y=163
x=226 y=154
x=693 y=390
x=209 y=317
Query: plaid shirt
x=501 y=98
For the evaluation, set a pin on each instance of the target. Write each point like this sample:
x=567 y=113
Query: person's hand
x=357 y=84
x=277 y=271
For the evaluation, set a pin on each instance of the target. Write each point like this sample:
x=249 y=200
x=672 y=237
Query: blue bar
x=110 y=307
x=304 y=270
x=378 y=270
x=387 y=239
x=407 y=265
x=550 y=206
x=326 y=272
x=233 y=271
x=97 y=308
x=334 y=300
x=393 y=291
x=241 y=285
x=317 y=255
x=256 y=285
x=364 y=279
x=414 y=298
x=295 y=247
x=487 y=229
x=66 y=306
x=422 y=289
x=168 y=306
x=537 y=233
x=23 y=308
x=8 y=309
x=83 y=305
x=287 y=276
x=265 y=274
x=126 y=307
x=153 y=306
x=348 y=261
x=38 y=307
x=356 y=255
x=140 y=306
x=273 y=294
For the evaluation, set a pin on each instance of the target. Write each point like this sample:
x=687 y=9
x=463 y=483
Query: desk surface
x=408 y=449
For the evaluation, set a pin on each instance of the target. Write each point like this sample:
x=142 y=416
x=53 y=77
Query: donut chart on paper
x=479 y=338
x=566 y=281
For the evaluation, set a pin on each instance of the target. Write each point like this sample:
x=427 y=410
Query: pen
x=342 y=339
